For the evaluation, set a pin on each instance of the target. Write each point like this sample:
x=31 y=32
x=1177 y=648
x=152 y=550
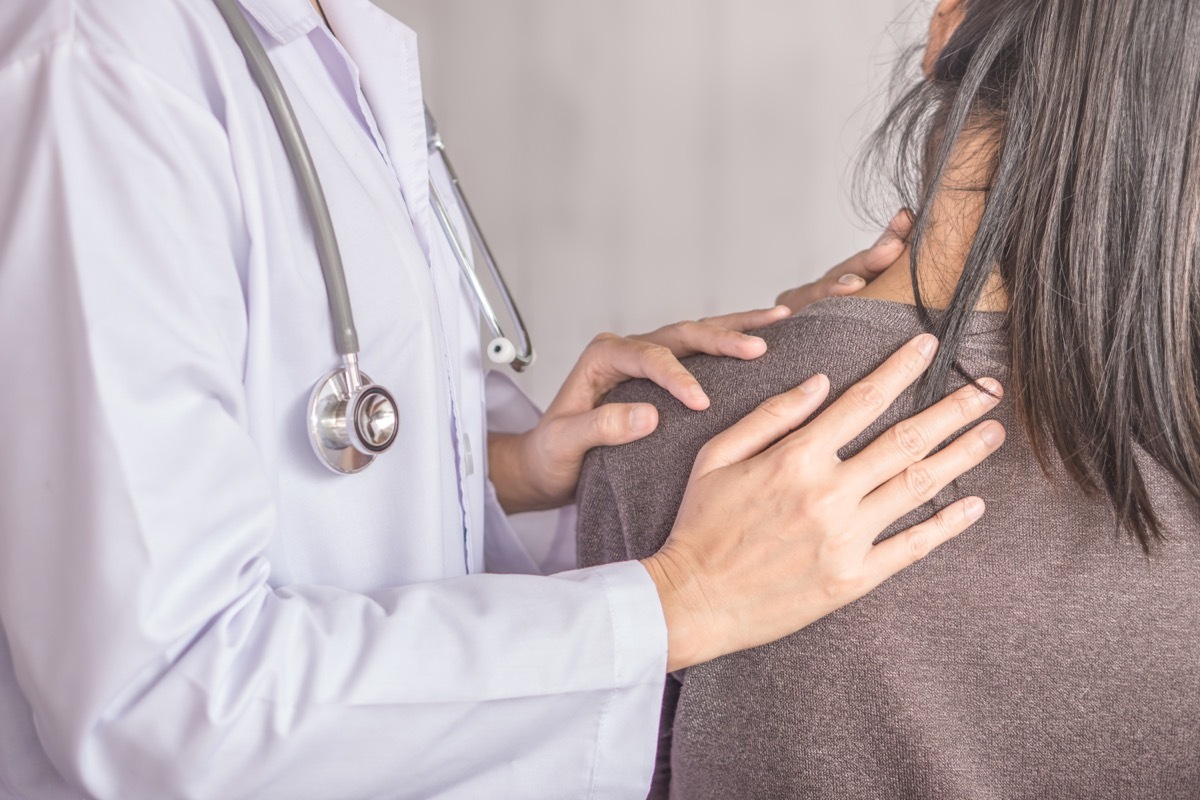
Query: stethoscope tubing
x=344 y=333
x=350 y=419
x=525 y=354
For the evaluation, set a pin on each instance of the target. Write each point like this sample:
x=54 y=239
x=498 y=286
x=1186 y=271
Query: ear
x=946 y=19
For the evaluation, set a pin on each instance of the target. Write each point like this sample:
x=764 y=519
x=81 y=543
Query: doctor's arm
x=153 y=656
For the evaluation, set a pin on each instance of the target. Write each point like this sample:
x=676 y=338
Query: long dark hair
x=1092 y=218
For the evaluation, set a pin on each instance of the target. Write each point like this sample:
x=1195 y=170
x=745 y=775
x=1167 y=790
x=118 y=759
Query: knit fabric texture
x=1040 y=654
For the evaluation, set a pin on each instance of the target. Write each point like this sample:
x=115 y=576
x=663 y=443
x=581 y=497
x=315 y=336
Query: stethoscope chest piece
x=349 y=427
x=350 y=419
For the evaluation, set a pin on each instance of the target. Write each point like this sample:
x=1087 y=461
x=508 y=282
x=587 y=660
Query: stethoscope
x=351 y=420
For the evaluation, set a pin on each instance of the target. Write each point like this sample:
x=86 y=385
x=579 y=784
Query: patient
x=1051 y=156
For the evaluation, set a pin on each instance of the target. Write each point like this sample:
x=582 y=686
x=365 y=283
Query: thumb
x=617 y=423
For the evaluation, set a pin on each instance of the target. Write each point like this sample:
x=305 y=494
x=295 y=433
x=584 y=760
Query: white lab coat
x=191 y=605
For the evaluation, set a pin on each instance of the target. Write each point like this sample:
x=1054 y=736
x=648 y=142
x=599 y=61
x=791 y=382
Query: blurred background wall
x=636 y=162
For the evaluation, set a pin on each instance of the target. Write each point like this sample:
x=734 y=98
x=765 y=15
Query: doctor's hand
x=853 y=274
x=775 y=531
x=540 y=469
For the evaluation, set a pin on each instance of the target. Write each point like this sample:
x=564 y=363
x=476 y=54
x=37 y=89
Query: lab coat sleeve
x=156 y=659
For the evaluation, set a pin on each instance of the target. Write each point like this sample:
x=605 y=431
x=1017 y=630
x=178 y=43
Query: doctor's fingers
x=717 y=336
x=867 y=400
x=881 y=255
x=749 y=320
x=909 y=441
x=610 y=360
x=909 y=546
x=856 y=272
x=607 y=426
x=921 y=483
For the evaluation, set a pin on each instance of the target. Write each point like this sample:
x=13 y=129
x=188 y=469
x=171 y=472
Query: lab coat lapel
x=385 y=52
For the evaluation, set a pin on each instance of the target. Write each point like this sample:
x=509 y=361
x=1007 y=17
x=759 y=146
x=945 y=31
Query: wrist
x=690 y=638
x=510 y=470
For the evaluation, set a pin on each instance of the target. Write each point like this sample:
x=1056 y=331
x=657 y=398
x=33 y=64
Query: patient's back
x=1040 y=654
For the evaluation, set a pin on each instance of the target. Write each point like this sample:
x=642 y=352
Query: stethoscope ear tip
x=501 y=351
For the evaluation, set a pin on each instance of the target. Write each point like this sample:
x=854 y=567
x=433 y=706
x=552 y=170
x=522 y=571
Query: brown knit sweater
x=1039 y=655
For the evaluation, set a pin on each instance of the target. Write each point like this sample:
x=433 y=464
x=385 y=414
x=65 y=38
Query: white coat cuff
x=628 y=732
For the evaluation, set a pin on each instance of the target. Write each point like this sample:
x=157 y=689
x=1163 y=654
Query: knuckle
x=657 y=352
x=675 y=330
x=716 y=450
x=942 y=524
x=600 y=345
x=966 y=404
x=977 y=448
x=910 y=439
x=971 y=449
x=798 y=456
x=921 y=483
x=844 y=584
x=919 y=544
x=867 y=396
x=604 y=425
x=824 y=507
x=970 y=401
x=954 y=520
x=602 y=338
x=775 y=408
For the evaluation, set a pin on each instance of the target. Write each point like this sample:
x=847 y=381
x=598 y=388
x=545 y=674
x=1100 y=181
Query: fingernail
x=927 y=344
x=992 y=434
x=641 y=419
x=754 y=347
x=851 y=280
x=813 y=384
x=781 y=311
x=974 y=508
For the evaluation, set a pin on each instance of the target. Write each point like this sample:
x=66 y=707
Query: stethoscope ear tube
x=519 y=358
x=344 y=333
x=350 y=419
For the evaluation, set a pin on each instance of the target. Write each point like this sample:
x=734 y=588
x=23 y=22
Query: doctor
x=191 y=604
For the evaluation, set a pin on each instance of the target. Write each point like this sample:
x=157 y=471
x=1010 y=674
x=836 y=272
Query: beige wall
x=639 y=161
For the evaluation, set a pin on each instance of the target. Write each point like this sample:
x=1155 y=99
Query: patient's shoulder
x=842 y=338
x=644 y=481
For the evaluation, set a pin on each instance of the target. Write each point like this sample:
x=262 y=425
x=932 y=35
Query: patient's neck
x=952 y=220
